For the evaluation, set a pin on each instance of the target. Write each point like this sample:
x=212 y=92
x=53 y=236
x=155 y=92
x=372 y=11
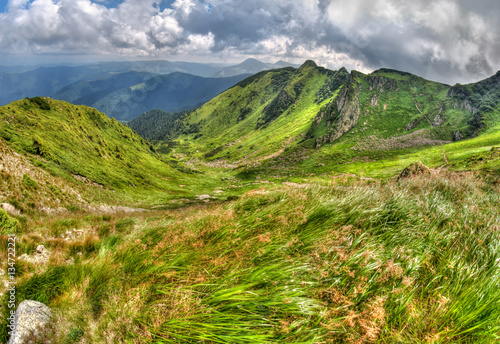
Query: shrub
x=8 y=224
x=29 y=183
x=42 y=103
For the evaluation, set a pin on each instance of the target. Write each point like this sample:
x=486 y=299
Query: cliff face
x=340 y=115
x=392 y=103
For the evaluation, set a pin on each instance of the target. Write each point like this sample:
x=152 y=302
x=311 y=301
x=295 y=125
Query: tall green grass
x=414 y=261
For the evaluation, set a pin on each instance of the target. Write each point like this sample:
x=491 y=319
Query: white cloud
x=136 y=27
x=449 y=40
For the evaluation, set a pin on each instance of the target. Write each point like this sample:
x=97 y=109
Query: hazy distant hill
x=51 y=81
x=172 y=92
x=43 y=81
x=251 y=66
x=89 y=92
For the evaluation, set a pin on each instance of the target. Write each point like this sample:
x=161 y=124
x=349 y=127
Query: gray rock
x=413 y=170
x=349 y=111
x=438 y=120
x=40 y=256
x=30 y=320
x=41 y=249
x=457 y=135
x=9 y=208
x=413 y=124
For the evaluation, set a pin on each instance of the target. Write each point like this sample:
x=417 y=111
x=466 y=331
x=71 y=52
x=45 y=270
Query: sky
x=444 y=40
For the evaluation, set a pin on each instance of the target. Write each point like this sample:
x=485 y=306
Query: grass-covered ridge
x=82 y=145
x=343 y=262
x=295 y=120
x=258 y=117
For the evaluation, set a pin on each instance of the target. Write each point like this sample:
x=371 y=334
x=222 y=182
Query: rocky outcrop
x=457 y=135
x=476 y=123
x=10 y=209
x=333 y=82
x=413 y=124
x=458 y=91
x=381 y=84
x=462 y=98
x=29 y=322
x=413 y=170
x=438 y=120
x=41 y=256
x=346 y=113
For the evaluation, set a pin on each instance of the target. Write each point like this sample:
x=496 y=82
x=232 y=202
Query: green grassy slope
x=311 y=258
x=414 y=261
x=310 y=120
x=78 y=141
x=259 y=116
x=404 y=119
x=391 y=103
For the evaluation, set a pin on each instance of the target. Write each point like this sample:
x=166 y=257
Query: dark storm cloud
x=237 y=23
x=445 y=40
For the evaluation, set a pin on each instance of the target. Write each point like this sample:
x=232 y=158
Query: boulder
x=414 y=169
x=9 y=208
x=31 y=319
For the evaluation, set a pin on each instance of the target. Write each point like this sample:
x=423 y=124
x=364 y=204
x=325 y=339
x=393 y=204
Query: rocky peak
x=381 y=83
x=308 y=63
x=343 y=70
x=458 y=91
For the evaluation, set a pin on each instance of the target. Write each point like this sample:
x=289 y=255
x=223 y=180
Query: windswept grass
x=414 y=261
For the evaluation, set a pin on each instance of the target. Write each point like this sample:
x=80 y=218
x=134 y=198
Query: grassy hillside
x=312 y=120
x=299 y=232
x=413 y=261
x=82 y=145
x=29 y=188
x=259 y=116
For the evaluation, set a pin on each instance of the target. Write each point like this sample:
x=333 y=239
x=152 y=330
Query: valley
x=298 y=204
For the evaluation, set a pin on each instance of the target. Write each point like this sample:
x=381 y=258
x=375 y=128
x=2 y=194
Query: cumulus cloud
x=445 y=40
x=135 y=27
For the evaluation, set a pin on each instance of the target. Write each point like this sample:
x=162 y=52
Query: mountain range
x=310 y=116
x=171 y=92
x=87 y=84
x=298 y=205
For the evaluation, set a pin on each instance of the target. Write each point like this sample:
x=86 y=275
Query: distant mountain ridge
x=172 y=92
x=89 y=92
x=56 y=81
x=250 y=66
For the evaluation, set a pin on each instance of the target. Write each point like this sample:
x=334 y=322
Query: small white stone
x=41 y=249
